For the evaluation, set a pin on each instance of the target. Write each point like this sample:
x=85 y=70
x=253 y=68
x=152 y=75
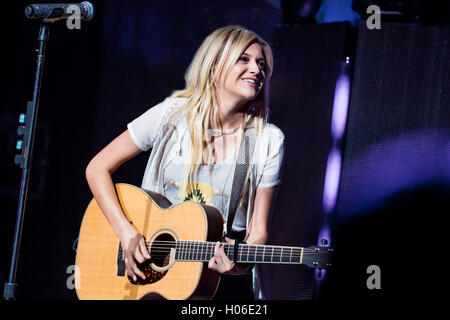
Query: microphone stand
x=26 y=129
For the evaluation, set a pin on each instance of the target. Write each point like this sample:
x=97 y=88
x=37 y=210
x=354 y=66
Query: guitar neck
x=203 y=251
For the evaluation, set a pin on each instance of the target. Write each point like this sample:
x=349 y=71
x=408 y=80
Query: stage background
x=133 y=54
x=395 y=186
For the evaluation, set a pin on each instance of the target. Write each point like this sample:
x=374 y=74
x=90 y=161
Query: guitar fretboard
x=203 y=251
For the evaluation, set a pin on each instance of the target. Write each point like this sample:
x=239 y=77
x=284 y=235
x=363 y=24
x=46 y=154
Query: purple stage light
x=340 y=106
x=332 y=177
x=334 y=163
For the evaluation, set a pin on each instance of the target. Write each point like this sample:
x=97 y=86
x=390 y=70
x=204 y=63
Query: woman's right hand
x=134 y=250
x=98 y=175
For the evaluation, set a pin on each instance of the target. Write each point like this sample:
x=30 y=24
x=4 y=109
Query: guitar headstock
x=318 y=257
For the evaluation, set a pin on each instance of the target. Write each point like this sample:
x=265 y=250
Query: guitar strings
x=257 y=258
x=193 y=252
x=196 y=245
x=189 y=250
x=240 y=252
x=194 y=248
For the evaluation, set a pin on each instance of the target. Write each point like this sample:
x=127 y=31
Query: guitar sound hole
x=160 y=249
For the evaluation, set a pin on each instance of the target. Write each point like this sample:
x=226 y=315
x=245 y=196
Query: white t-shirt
x=213 y=185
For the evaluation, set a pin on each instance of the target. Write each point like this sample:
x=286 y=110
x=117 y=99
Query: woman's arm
x=98 y=175
x=257 y=232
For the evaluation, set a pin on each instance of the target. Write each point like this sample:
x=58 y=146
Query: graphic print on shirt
x=199 y=192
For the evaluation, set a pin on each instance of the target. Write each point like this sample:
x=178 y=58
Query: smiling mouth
x=252 y=82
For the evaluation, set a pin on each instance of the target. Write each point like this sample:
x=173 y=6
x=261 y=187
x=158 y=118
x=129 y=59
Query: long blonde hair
x=218 y=53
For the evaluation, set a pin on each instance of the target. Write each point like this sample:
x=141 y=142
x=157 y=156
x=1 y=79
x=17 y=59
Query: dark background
x=134 y=53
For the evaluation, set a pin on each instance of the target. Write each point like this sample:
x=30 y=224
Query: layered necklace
x=222 y=132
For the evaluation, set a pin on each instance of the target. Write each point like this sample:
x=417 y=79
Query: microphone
x=57 y=11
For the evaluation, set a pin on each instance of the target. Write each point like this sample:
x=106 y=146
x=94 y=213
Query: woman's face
x=246 y=78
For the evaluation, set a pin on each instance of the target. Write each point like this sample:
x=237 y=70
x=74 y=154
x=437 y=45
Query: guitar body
x=99 y=272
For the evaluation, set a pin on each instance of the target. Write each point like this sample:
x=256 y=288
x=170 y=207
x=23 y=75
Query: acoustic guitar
x=180 y=239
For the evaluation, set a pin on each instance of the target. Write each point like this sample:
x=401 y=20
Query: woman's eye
x=261 y=64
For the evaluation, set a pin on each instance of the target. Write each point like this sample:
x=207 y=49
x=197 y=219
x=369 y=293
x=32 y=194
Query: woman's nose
x=254 y=68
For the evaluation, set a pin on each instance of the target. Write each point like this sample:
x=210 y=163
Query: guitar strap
x=240 y=172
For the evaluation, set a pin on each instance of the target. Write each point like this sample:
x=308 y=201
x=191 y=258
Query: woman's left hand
x=221 y=263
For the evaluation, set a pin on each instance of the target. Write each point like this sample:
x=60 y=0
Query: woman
x=195 y=135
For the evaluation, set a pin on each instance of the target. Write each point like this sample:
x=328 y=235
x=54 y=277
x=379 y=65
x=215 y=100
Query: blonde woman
x=194 y=135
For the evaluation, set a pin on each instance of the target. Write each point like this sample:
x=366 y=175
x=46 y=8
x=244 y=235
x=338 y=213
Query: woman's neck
x=231 y=120
x=231 y=114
